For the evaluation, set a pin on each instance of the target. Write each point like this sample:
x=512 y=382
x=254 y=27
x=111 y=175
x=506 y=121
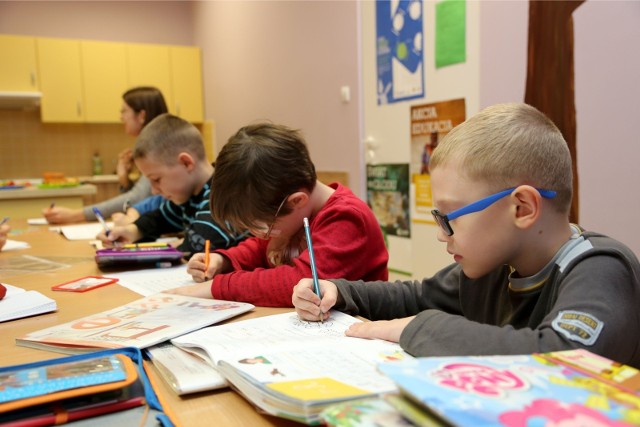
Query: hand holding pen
x=100 y=218
x=312 y=260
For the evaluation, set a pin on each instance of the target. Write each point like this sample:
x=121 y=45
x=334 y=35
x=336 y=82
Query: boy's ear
x=299 y=199
x=528 y=206
x=186 y=160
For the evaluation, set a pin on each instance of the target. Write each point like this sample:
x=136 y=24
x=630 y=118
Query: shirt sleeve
x=141 y=190
x=166 y=219
x=599 y=295
x=343 y=248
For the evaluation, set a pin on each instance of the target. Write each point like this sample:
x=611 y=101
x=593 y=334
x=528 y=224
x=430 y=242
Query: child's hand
x=62 y=215
x=4 y=230
x=388 y=330
x=308 y=304
x=121 y=234
x=200 y=290
x=196 y=266
x=120 y=218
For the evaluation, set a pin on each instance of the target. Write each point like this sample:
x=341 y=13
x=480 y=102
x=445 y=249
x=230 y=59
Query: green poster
x=450 y=32
x=388 y=197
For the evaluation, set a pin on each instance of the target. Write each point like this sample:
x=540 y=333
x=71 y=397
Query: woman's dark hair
x=147 y=98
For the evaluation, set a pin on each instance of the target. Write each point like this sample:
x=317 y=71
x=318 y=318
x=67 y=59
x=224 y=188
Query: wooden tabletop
x=220 y=408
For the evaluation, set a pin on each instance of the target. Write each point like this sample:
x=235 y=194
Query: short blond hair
x=507 y=145
x=166 y=136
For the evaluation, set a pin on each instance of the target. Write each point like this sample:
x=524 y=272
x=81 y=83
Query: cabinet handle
x=33 y=78
x=178 y=109
x=79 y=109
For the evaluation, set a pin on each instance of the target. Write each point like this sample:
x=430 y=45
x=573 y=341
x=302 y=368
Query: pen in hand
x=314 y=272
x=4 y=220
x=102 y=221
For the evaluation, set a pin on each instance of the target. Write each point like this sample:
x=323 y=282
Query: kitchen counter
x=29 y=201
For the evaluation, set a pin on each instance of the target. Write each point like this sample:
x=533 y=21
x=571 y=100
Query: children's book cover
x=141 y=323
x=525 y=390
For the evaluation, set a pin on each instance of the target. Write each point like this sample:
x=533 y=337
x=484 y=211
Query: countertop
x=33 y=192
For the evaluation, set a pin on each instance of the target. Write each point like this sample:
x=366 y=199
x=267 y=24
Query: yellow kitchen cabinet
x=18 y=67
x=150 y=65
x=104 y=67
x=61 y=80
x=186 y=78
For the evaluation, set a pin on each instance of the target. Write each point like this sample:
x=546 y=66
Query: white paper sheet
x=151 y=281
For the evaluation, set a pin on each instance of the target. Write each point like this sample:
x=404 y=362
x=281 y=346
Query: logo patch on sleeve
x=578 y=326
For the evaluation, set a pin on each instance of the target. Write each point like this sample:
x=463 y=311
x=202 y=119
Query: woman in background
x=140 y=106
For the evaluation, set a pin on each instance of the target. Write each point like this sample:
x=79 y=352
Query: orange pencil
x=207 y=249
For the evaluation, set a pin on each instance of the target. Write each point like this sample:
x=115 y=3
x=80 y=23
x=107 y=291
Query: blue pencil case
x=102 y=388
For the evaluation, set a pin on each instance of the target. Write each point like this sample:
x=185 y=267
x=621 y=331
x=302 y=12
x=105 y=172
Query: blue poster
x=399 y=50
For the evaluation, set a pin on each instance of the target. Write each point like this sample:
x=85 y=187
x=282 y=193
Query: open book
x=292 y=368
x=141 y=323
x=19 y=303
x=184 y=372
x=573 y=387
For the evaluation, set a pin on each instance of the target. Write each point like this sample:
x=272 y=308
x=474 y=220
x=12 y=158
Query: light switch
x=345 y=94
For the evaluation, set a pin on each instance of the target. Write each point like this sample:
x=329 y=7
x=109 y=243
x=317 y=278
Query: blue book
x=573 y=387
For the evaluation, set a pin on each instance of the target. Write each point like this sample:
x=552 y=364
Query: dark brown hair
x=255 y=171
x=146 y=98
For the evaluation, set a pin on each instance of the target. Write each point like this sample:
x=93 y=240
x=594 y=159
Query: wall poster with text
x=399 y=50
x=429 y=123
x=388 y=197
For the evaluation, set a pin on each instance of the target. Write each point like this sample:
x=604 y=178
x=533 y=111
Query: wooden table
x=219 y=408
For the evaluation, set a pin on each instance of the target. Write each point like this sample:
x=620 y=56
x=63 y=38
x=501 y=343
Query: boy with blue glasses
x=525 y=280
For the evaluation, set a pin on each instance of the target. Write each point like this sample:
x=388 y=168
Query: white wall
x=165 y=22
x=285 y=62
x=607 y=62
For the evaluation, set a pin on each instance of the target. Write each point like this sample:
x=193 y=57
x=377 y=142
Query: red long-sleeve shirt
x=347 y=243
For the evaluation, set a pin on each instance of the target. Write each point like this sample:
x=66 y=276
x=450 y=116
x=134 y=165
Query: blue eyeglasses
x=477 y=206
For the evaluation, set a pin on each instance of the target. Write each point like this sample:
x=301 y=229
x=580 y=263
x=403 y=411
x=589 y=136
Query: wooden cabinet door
x=104 y=69
x=60 y=80
x=186 y=78
x=18 y=66
x=149 y=65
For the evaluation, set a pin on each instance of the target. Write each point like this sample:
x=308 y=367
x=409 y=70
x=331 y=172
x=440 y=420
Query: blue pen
x=102 y=221
x=314 y=272
x=6 y=218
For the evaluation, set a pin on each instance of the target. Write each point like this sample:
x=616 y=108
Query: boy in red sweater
x=266 y=182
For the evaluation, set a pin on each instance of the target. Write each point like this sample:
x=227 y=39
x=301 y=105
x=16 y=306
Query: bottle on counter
x=97 y=164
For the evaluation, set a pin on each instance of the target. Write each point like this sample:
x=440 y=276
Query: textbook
x=18 y=303
x=107 y=388
x=573 y=387
x=141 y=323
x=292 y=368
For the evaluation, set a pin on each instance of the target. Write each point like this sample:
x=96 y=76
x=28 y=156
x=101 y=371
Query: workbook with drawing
x=292 y=368
x=141 y=323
